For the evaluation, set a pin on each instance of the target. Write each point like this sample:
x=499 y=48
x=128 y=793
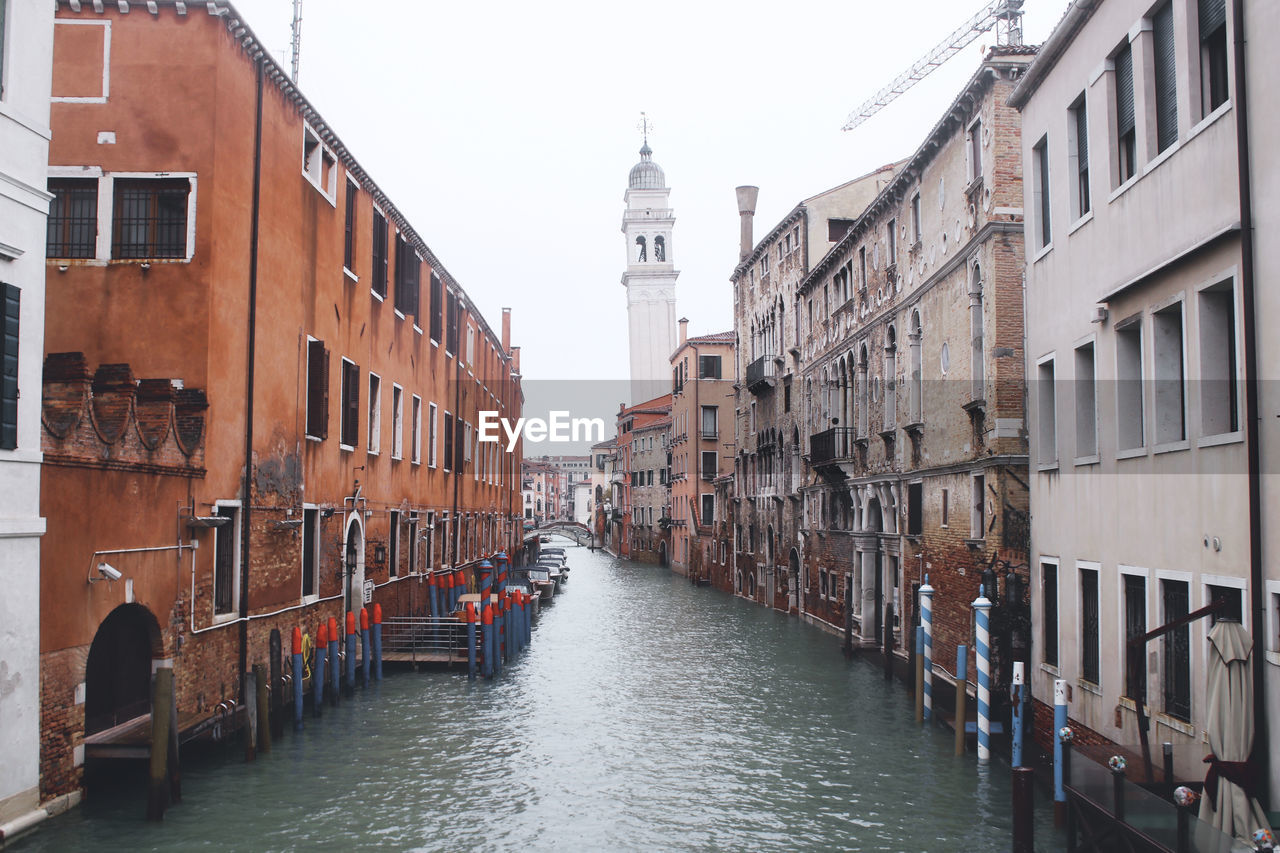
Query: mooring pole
x=1016 y=711
x=275 y=690
x=888 y=642
x=486 y=625
x=264 y=707
x=335 y=667
x=296 y=660
x=377 y=641
x=321 y=652
x=471 y=640
x=926 y=625
x=158 y=785
x=366 y=652
x=1059 y=723
x=962 y=694
x=983 y=605
x=1023 y=810
x=350 y=685
x=918 y=679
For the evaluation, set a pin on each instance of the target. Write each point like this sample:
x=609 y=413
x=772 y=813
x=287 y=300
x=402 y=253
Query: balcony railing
x=760 y=373
x=830 y=446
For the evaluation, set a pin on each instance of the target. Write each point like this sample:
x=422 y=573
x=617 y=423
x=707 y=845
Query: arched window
x=659 y=249
x=890 y=378
x=640 y=249
x=914 y=337
x=975 y=326
x=864 y=398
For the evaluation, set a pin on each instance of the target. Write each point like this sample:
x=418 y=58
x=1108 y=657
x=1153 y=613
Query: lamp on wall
x=380 y=553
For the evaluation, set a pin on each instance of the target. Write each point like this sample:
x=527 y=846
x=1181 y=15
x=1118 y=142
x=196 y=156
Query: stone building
x=768 y=426
x=917 y=448
x=261 y=385
x=701 y=443
x=1146 y=344
x=26 y=51
x=641 y=463
x=603 y=490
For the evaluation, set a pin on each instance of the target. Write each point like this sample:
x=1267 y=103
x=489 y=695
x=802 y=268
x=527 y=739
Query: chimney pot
x=684 y=330
x=746 y=213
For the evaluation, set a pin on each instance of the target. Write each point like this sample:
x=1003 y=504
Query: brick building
x=768 y=426
x=261 y=385
x=636 y=436
x=917 y=448
x=702 y=382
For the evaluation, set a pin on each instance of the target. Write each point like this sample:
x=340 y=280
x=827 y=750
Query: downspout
x=1251 y=409
x=455 y=529
x=247 y=486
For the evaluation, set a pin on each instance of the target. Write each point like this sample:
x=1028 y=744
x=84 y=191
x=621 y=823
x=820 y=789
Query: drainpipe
x=247 y=486
x=455 y=529
x=1251 y=409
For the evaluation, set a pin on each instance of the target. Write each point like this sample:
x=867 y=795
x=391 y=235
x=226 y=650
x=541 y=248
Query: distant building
x=603 y=490
x=26 y=56
x=641 y=453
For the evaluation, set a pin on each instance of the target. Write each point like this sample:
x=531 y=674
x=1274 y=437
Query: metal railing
x=425 y=637
x=760 y=371
x=831 y=445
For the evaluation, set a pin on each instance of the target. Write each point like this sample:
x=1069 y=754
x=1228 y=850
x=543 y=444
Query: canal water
x=647 y=714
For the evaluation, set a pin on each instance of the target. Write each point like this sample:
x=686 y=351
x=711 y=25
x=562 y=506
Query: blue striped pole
x=1016 y=711
x=297 y=679
x=926 y=622
x=377 y=641
x=983 y=605
x=317 y=677
x=351 y=653
x=1059 y=723
x=432 y=585
x=335 y=665
x=486 y=629
x=471 y=640
x=366 y=650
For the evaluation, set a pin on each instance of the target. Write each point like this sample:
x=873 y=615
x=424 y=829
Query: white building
x=650 y=277
x=26 y=60
x=1138 y=348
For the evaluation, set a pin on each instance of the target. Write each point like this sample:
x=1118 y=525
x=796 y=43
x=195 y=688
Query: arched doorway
x=118 y=670
x=662 y=553
x=793 y=578
x=872 y=575
x=353 y=562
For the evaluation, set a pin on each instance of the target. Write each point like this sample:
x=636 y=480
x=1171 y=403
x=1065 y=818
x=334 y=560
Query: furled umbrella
x=1227 y=803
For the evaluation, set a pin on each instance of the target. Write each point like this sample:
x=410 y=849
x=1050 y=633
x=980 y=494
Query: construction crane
x=295 y=31
x=1005 y=16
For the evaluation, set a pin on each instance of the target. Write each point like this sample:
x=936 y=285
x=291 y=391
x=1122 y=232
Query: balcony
x=832 y=446
x=761 y=373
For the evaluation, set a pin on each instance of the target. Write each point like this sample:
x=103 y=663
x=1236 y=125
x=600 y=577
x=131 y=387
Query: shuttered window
x=317 y=389
x=1041 y=158
x=407 y=265
x=349 y=230
x=1081 y=121
x=1213 y=54
x=379 y=283
x=708 y=367
x=9 y=373
x=350 y=403
x=1166 y=78
x=1125 y=134
x=437 y=307
x=448 y=442
x=1090 y=653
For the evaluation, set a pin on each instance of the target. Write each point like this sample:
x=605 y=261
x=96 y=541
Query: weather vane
x=645 y=125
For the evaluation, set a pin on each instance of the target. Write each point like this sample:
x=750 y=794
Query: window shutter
x=1166 y=78
x=9 y=370
x=1082 y=136
x=1124 y=91
x=317 y=393
x=351 y=419
x=1213 y=14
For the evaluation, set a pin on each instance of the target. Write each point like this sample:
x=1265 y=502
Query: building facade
x=917 y=448
x=26 y=57
x=1141 y=368
x=630 y=455
x=293 y=422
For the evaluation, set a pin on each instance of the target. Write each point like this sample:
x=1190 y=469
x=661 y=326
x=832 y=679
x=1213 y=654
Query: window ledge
x=1046 y=467
x=1132 y=453
x=310 y=599
x=1080 y=223
x=976 y=544
x=399 y=314
x=376 y=295
x=1220 y=439
x=1050 y=669
x=314 y=438
x=1044 y=250
x=1089 y=687
x=349 y=448
x=1162 y=156
x=1124 y=188
x=224 y=618
x=1223 y=109
x=349 y=274
x=1128 y=704
x=1172 y=447
x=1273 y=658
x=1174 y=723
x=373 y=452
x=1082 y=461
x=417 y=329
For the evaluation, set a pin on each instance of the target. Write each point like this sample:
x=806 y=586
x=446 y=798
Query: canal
x=647 y=715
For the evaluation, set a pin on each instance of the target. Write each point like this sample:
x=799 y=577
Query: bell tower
x=650 y=275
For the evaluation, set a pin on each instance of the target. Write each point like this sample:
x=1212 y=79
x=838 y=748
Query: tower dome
x=647 y=175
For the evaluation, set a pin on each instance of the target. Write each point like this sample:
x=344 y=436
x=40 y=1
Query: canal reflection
x=647 y=715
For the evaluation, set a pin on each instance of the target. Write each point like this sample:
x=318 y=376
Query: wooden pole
x=249 y=699
x=175 y=766
x=276 y=694
x=161 y=705
x=264 y=708
x=1023 y=810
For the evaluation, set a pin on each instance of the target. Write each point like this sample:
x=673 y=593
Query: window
x=1175 y=598
x=1049 y=611
x=1126 y=135
x=977 y=348
x=72 y=230
x=916 y=234
x=1213 y=54
x=974 y=147
x=415 y=448
x=448 y=442
x=397 y=422
x=1078 y=130
x=412 y=550
x=11 y=303
x=978 y=513
x=350 y=403
x=709 y=367
x=310 y=552
x=437 y=307
x=319 y=166
x=1046 y=390
x=1170 y=377
x=710 y=426
x=451 y=324
x=915 y=509
x=429 y=537
x=349 y=228
x=891 y=241
x=1086 y=403
x=1219 y=380
x=1165 y=77
x=431 y=435
x=379 y=283
x=1135 y=625
x=3 y=6
x=226 y=560
x=946 y=507
x=862 y=267
x=708 y=513
x=393 y=545
x=407 y=267
x=1090 y=654
x=317 y=389
x=1234 y=598
x=1040 y=158
x=375 y=413
x=710 y=465
x=1129 y=404
x=150 y=218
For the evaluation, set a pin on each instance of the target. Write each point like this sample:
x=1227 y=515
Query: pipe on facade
x=1251 y=408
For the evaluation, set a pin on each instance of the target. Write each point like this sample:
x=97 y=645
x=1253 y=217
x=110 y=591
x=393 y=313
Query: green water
x=647 y=715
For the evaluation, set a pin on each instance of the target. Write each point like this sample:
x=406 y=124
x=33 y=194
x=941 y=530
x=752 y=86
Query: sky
x=505 y=132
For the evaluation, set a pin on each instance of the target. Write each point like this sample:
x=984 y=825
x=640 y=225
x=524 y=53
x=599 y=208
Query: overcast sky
x=505 y=131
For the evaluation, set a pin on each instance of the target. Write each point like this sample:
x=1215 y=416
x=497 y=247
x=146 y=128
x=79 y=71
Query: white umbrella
x=1230 y=728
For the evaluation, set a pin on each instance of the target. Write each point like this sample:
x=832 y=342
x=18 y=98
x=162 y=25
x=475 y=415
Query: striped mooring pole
x=351 y=653
x=431 y=591
x=471 y=640
x=1059 y=723
x=335 y=667
x=366 y=652
x=983 y=605
x=296 y=660
x=1016 y=712
x=317 y=675
x=377 y=641
x=486 y=626
x=926 y=622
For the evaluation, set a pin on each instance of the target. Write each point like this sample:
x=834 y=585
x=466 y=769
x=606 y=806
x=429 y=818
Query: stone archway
x=353 y=561
x=793 y=579
x=118 y=669
x=662 y=553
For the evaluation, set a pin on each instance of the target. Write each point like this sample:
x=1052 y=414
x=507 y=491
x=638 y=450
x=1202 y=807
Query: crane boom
x=988 y=17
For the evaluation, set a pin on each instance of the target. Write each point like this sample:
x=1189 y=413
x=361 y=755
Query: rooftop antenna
x=645 y=125
x=1005 y=16
x=296 y=42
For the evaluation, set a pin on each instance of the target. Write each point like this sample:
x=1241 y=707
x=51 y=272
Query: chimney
x=684 y=330
x=506 y=330
x=746 y=211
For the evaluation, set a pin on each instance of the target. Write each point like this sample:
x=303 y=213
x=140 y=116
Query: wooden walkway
x=132 y=738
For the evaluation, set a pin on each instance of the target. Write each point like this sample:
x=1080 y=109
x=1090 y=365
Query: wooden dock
x=132 y=738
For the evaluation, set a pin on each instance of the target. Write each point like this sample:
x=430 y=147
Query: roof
x=717 y=338
x=646 y=175
x=1077 y=14
x=660 y=422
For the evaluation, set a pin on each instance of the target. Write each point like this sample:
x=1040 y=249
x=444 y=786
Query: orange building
x=303 y=437
x=640 y=437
